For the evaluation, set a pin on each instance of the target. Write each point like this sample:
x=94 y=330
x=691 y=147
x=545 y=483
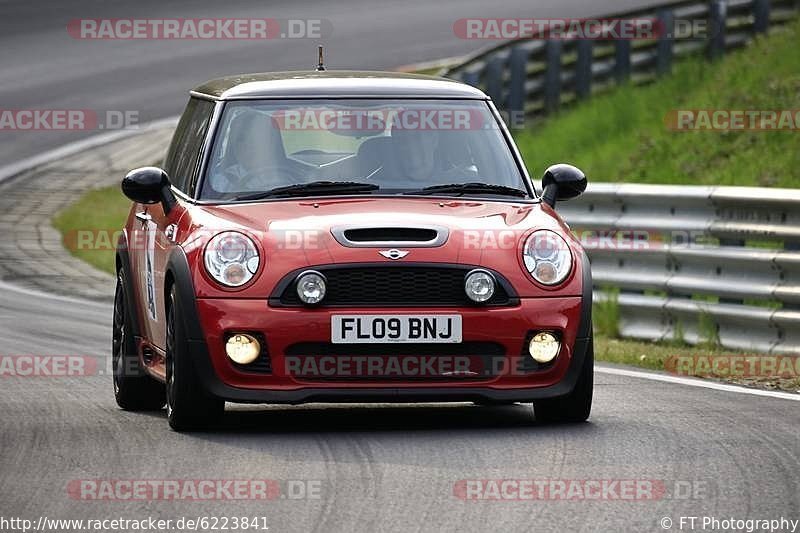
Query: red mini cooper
x=348 y=237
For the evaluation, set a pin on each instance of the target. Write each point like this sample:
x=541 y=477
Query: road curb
x=20 y=167
x=32 y=191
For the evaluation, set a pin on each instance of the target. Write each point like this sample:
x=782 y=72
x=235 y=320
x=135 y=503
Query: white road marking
x=73 y=148
x=45 y=296
x=695 y=382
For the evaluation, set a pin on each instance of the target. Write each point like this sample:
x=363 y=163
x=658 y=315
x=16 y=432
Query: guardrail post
x=471 y=78
x=552 y=77
x=717 y=15
x=732 y=242
x=760 y=16
x=791 y=246
x=583 y=69
x=494 y=80
x=518 y=65
x=664 y=50
x=622 y=60
x=738 y=243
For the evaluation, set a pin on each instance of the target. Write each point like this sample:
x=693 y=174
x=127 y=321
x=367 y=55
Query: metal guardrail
x=696 y=262
x=719 y=264
x=536 y=77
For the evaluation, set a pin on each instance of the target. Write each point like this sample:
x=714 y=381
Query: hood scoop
x=376 y=236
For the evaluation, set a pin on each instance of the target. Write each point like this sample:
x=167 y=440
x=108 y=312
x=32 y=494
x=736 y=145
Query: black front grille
x=389 y=285
x=484 y=360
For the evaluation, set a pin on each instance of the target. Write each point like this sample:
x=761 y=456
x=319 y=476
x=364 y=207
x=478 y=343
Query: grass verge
x=88 y=226
x=621 y=136
x=653 y=356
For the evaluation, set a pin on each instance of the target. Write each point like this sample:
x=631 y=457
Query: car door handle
x=144 y=217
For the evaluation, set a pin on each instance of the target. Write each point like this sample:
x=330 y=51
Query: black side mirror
x=149 y=185
x=562 y=182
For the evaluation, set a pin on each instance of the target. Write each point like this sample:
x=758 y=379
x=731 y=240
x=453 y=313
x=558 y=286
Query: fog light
x=479 y=286
x=242 y=348
x=543 y=347
x=311 y=287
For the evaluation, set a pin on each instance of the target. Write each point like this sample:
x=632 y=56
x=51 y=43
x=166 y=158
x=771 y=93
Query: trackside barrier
x=717 y=264
x=530 y=77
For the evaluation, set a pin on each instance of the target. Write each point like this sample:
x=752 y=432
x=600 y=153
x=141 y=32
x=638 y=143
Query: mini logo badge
x=394 y=254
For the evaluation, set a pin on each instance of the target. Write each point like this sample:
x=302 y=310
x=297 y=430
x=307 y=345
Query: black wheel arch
x=178 y=275
x=123 y=261
x=585 y=325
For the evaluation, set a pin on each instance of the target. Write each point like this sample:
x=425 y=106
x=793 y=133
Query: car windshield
x=377 y=146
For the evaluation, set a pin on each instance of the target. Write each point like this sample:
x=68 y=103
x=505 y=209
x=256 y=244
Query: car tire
x=577 y=405
x=189 y=407
x=134 y=390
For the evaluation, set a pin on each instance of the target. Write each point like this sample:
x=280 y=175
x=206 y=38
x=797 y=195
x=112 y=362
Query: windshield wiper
x=471 y=188
x=312 y=188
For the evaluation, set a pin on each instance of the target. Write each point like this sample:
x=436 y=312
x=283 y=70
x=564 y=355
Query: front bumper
x=508 y=327
x=207 y=320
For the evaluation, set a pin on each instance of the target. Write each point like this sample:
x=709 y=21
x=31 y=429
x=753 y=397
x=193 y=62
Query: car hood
x=296 y=234
x=323 y=215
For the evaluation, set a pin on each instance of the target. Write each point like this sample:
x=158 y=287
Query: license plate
x=360 y=329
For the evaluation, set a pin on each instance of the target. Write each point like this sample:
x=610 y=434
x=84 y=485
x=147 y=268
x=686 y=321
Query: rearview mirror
x=149 y=185
x=562 y=182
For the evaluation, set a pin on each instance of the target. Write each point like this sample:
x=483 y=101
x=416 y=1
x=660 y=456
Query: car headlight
x=547 y=257
x=231 y=258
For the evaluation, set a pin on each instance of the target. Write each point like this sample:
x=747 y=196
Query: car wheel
x=188 y=406
x=576 y=406
x=134 y=390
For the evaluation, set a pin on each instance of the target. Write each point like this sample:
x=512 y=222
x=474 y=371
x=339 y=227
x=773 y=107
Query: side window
x=183 y=157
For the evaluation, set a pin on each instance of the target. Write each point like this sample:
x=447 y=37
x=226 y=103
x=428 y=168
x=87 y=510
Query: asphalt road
x=386 y=468
x=392 y=468
x=43 y=67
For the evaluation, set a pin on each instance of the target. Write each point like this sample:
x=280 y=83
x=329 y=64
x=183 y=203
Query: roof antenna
x=321 y=65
